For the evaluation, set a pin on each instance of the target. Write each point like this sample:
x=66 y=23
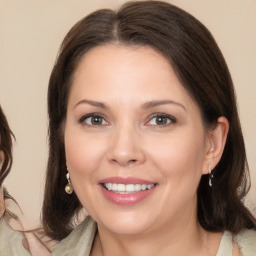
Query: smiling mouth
x=127 y=188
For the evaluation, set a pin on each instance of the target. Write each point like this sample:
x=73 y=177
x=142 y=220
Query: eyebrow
x=92 y=103
x=155 y=103
x=147 y=105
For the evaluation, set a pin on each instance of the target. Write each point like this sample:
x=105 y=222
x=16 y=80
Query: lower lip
x=127 y=199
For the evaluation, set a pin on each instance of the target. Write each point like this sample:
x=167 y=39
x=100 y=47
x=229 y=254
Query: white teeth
x=137 y=187
x=128 y=188
x=143 y=187
x=150 y=186
x=114 y=186
x=121 y=188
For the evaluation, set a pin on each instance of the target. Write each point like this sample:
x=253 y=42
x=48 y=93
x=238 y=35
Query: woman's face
x=134 y=139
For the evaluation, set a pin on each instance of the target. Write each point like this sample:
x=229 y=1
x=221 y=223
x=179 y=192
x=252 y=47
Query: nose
x=125 y=148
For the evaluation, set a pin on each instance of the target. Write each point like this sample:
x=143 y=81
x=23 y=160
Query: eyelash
x=170 y=119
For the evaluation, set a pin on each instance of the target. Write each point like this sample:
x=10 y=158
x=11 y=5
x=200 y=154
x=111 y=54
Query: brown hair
x=5 y=147
x=201 y=68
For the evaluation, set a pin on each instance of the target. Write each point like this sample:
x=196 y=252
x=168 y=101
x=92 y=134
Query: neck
x=177 y=238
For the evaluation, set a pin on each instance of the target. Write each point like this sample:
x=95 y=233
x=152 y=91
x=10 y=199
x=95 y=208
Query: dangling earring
x=210 y=170
x=69 y=188
x=210 y=175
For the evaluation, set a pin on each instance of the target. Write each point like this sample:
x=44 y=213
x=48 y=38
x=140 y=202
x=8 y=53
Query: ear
x=216 y=143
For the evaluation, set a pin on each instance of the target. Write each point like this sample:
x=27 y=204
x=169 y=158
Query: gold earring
x=69 y=188
x=210 y=175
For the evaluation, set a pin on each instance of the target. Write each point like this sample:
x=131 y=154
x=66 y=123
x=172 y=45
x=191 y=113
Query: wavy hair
x=5 y=147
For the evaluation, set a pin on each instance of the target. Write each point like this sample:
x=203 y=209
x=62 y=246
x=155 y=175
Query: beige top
x=13 y=240
x=79 y=242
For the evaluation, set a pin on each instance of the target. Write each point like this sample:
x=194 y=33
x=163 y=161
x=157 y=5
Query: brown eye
x=93 y=120
x=96 y=120
x=161 y=120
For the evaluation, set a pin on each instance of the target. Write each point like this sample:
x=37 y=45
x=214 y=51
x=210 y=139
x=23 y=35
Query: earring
x=69 y=188
x=210 y=176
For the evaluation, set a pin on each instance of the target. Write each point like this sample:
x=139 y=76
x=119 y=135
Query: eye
x=161 y=120
x=93 y=120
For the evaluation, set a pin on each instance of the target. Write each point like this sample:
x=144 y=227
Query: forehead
x=120 y=57
x=116 y=70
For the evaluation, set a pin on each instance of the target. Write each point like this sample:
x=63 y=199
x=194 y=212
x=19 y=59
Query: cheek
x=180 y=157
x=83 y=155
x=83 y=152
x=180 y=163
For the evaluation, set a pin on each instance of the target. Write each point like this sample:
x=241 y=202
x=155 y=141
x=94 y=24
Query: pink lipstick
x=126 y=191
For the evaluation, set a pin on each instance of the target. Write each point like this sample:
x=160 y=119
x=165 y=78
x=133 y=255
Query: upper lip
x=126 y=180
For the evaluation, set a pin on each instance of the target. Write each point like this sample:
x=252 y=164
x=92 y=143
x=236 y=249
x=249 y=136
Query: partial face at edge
x=1 y=155
x=1 y=158
x=130 y=121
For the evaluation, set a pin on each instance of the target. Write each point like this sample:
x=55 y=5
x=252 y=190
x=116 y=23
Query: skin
x=131 y=142
x=1 y=158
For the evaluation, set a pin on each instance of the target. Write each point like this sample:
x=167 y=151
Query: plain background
x=30 y=34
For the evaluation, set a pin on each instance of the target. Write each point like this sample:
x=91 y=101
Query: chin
x=126 y=224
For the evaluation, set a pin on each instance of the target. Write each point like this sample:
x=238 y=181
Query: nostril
x=132 y=161
x=124 y=162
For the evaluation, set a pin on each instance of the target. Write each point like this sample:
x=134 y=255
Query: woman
x=10 y=240
x=145 y=136
x=14 y=241
x=5 y=147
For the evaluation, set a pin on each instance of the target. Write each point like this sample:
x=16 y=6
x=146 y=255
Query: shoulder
x=246 y=242
x=11 y=241
x=79 y=242
x=15 y=239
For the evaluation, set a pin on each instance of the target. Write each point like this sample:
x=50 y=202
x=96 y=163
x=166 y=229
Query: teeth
x=114 y=186
x=128 y=188
x=121 y=188
x=137 y=187
x=150 y=186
